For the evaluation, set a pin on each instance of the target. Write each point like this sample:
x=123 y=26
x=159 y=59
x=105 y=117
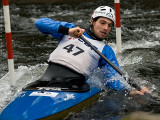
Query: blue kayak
x=48 y=105
x=37 y=101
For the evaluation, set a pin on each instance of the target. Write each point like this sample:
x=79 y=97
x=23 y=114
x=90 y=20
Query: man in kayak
x=73 y=59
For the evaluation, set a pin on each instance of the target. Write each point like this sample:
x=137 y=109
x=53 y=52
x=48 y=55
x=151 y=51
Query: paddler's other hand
x=76 y=32
x=141 y=92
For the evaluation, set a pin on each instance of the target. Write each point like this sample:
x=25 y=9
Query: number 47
x=69 y=49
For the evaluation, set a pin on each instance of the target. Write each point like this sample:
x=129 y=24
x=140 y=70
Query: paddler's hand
x=76 y=32
x=141 y=92
x=141 y=96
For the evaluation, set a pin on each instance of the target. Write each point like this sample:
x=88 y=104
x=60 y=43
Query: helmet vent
x=103 y=9
x=110 y=10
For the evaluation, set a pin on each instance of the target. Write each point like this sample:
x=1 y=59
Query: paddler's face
x=102 y=27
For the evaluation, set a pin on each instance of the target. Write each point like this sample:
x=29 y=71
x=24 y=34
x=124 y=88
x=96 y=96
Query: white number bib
x=76 y=54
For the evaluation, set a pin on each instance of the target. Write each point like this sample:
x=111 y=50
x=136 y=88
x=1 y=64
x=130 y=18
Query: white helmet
x=104 y=11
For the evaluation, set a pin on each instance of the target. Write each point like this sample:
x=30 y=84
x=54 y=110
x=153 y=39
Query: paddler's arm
x=54 y=28
x=111 y=77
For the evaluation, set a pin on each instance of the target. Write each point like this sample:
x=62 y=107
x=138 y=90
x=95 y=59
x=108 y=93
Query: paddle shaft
x=126 y=77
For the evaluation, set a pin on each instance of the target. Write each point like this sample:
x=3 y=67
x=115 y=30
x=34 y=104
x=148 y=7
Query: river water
x=140 y=45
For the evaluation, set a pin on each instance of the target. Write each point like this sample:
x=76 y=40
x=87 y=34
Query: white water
x=132 y=44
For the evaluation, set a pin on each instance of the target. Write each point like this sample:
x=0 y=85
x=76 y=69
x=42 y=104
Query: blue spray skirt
x=54 y=105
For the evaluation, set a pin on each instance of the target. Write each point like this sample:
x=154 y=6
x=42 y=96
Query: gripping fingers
x=76 y=32
x=79 y=31
x=141 y=92
x=145 y=90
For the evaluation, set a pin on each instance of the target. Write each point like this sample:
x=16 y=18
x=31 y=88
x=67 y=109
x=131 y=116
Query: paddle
x=129 y=79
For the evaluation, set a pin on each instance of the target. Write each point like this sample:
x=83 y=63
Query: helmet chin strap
x=91 y=33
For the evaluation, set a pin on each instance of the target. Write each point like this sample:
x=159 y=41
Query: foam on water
x=26 y=74
x=5 y=91
x=23 y=76
x=143 y=43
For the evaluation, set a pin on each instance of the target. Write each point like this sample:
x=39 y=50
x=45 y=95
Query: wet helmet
x=104 y=11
